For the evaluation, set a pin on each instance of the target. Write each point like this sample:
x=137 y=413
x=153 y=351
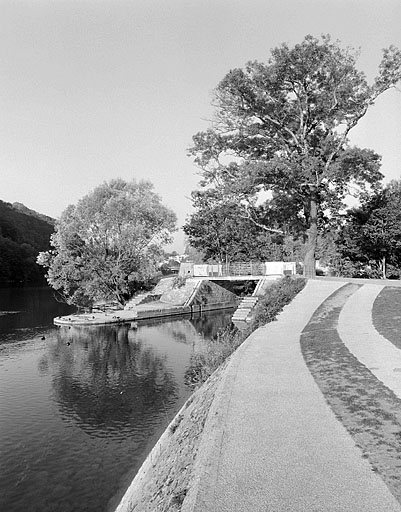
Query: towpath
x=271 y=441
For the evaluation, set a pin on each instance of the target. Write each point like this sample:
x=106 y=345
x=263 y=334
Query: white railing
x=240 y=269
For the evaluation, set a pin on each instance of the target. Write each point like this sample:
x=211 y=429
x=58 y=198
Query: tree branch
x=249 y=217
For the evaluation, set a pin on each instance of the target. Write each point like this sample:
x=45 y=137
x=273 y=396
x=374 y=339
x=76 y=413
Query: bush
x=150 y=298
x=218 y=350
x=275 y=298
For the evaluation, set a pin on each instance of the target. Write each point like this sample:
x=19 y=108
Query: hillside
x=23 y=234
x=23 y=209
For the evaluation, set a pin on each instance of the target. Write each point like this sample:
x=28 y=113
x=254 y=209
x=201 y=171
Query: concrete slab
x=112 y=317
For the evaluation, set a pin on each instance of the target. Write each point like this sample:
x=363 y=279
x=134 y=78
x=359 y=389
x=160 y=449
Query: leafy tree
x=370 y=242
x=283 y=127
x=221 y=229
x=107 y=245
x=193 y=254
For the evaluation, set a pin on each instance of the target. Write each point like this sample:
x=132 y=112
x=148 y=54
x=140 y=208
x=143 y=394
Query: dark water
x=81 y=408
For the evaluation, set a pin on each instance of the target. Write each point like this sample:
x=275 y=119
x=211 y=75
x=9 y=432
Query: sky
x=91 y=90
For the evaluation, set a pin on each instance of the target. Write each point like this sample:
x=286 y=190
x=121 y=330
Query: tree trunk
x=383 y=265
x=309 y=259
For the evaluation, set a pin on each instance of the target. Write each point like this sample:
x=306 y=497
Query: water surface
x=81 y=407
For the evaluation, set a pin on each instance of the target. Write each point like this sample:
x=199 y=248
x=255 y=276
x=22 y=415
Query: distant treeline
x=23 y=234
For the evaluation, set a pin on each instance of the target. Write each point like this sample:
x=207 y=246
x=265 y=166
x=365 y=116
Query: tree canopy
x=369 y=243
x=109 y=243
x=223 y=232
x=283 y=127
x=23 y=233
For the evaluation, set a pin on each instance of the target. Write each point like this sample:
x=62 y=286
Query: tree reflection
x=211 y=323
x=107 y=379
x=111 y=381
x=179 y=329
x=32 y=307
x=185 y=329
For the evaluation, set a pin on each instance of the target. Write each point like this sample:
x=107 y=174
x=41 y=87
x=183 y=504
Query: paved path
x=271 y=442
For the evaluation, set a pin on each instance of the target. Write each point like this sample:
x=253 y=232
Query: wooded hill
x=23 y=234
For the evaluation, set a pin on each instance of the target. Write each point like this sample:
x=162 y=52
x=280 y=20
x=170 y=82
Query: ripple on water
x=77 y=419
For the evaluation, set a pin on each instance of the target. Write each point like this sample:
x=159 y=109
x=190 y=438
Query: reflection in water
x=105 y=378
x=213 y=322
x=81 y=409
x=31 y=307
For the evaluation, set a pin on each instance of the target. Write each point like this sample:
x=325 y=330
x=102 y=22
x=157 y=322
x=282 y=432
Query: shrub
x=179 y=282
x=219 y=348
x=276 y=297
x=150 y=298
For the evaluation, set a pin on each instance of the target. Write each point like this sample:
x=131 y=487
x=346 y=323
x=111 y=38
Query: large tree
x=283 y=127
x=369 y=243
x=109 y=243
x=222 y=230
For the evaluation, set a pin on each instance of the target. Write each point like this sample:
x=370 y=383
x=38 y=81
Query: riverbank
x=171 y=297
x=141 y=312
x=170 y=470
x=163 y=481
x=295 y=418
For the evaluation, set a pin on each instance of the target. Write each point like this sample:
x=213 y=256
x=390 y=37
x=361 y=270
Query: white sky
x=92 y=90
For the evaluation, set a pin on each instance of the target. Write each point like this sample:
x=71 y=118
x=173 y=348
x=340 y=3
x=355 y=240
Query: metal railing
x=248 y=268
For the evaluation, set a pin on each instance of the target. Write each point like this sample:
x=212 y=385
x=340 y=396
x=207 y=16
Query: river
x=81 y=407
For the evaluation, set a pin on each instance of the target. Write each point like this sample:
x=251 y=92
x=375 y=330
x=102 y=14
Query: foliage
x=229 y=339
x=179 y=282
x=23 y=233
x=275 y=298
x=150 y=298
x=194 y=254
x=109 y=244
x=369 y=243
x=203 y=364
x=171 y=266
x=223 y=231
x=282 y=128
x=32 y=213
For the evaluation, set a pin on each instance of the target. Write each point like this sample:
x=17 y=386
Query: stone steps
x=245 y=308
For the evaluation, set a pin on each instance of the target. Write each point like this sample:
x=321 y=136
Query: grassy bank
x=278 y=295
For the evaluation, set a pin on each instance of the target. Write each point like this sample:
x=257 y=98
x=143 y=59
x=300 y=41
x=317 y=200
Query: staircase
x=245 y=308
